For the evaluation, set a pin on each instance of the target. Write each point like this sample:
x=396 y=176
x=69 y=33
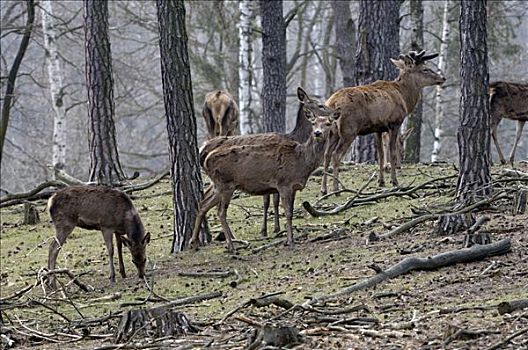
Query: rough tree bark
x=413 y=142
x=56 y=86
x=245 y=73
x=377 y=41
x=187 y=188
x=105 y=167
x=274 y=66
x=439 y=103
x=12 y=76
x=474 y=178
x=345 y=32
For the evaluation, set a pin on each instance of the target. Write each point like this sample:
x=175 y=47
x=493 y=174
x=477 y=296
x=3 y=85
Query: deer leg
x=520 y=126
x=329 y=151
x=222 y=213
x=265 y=206
x=339 y=153
x=287 y=198
x=393 y=133
x=62 y=231
x=381 y=158
x=108 y=235
x=496 y=141
x=119 y=244
x=276 y=201
x=211 y=198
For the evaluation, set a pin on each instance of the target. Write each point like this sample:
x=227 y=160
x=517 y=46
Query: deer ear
x=302 y=95
x=146 y=239
x=126 y=241
x=336 y=114
x=400 y=63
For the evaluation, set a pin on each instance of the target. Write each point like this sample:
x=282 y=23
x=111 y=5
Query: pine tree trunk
x=413 y=142
x=187 y=188
x=345 y=31
x=474 y=179
x=439 y=103
x=56 y=86
x=378 y=40
x=274 y=66
x=105 y=167
x=245 y=74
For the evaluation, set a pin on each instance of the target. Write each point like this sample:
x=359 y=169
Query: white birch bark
x=244 y=88
x=439 y=108
x=56 y=87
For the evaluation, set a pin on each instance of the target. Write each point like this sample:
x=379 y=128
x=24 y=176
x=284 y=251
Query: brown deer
x=271 y=164
x=376 y=108
x=300 y=133
x=508 y=100
x=98 y=208
x=221 y=114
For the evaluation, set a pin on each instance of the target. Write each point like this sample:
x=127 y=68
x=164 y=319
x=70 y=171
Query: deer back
x=508 y=100
x=221 y=113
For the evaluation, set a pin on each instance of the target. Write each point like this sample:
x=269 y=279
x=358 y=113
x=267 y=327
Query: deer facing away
x=98 y=208
x=508 y=100
x=300 y=133
x=221 y=114
x=376 y=108
x=269 y=165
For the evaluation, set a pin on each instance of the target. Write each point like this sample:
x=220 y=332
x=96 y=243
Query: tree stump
x=280 y=336
x=154 y=323
x=451 y=224
x=31 y=215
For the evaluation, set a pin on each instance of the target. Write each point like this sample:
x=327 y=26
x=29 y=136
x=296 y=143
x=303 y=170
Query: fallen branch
x=508 y=307
x=75 y=279
x=210 y=274
x=28 y=194
x=143 y=186
x=408 y=264
x=508 y=339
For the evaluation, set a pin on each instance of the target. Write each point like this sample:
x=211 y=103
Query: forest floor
x=453 y=307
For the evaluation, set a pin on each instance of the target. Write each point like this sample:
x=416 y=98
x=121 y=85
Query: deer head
x=414 y=66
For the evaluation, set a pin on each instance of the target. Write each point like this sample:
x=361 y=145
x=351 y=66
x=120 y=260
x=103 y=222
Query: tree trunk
x=11 y=78
x=187 y=188
x=377 y=41
x=439 y=105
x=413 y=142
x=245 y=73
x=274 y=66
x=105 y=167
x=474 y=179
x=345 y=32
x=56 y=86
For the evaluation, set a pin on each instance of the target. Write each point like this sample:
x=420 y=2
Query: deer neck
x=313 y=151
x=302 y=129
x=410 y=91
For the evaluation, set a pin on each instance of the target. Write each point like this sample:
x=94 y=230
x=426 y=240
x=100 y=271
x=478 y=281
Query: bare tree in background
x=474 y=179
x=105 y=167
x=413 y=142
x=345 y=31
x=11 y=78
x=55 y=84
x=440 y=89
x=274 y=66
x=187 y=186
x=377 y=41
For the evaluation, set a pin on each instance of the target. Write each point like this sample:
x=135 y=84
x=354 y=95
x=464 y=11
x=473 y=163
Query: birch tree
x=439 y=101
x=245 y=73
x=55 y=85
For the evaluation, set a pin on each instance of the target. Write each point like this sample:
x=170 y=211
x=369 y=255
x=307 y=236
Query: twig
x=508 y=339
x=132 y=188
x=25 y=195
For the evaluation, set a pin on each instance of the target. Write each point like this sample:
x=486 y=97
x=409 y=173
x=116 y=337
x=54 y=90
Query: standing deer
x=376 y=108
x=98 y=208
x=221 y=114
x=508 y=100
x=300 y=133
x=271 y=164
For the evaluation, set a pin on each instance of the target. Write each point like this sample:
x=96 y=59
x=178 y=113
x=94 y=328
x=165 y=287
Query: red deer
x=98 y=208
x=221 y=114
x=508 y=100
x=376 y=108
x=300 y=133
x=269 y=165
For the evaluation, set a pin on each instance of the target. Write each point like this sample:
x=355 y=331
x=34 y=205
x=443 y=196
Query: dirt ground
x=453 y=307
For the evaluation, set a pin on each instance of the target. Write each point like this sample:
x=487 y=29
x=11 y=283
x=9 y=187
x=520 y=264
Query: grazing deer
x=376 y=108
x=300 y=133
x=221 y=114
x=271 y=164
x=98 y=208
x=400 y=147
x=508 y=100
